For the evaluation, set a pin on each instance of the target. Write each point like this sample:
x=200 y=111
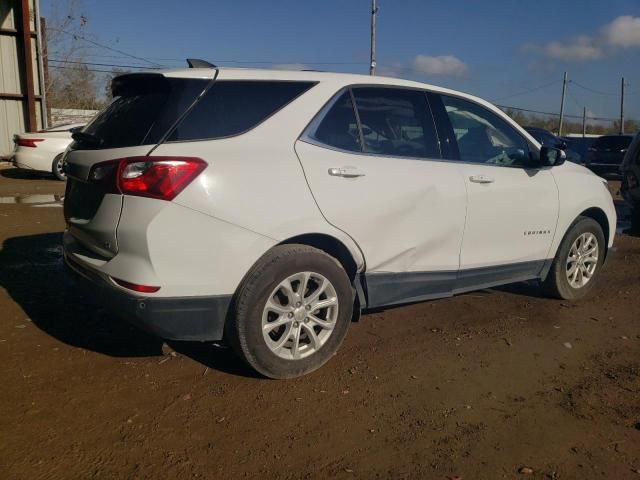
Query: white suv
x=268 y=208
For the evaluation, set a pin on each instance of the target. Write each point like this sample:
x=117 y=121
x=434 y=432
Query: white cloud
x=395 y=70
x=441 y=65
x=622 y=32
x=577 y=49
x=290 y=66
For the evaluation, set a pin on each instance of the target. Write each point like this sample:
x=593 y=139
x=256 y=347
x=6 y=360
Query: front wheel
x=291 y=312
x=578 y=261
x=56 y=168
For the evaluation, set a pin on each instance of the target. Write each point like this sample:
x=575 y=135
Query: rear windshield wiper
x=86 y=138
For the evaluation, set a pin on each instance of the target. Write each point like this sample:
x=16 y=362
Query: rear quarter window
x=232 y=107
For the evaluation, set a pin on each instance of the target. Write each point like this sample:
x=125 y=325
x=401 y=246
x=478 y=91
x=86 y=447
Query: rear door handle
x=481 y=179
x=346 y=172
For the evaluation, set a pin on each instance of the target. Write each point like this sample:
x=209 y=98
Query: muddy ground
x=476 y=386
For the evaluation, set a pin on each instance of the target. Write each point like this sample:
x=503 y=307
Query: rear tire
x=578 y=262
x=56 y=168
x=283 y=329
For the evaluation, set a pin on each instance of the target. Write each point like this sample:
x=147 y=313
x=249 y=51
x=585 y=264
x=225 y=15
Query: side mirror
x=551 y=156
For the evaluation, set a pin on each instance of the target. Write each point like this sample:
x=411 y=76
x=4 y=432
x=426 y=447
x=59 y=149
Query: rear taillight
x=28 y=142
x=155 y=177
x=135 y=286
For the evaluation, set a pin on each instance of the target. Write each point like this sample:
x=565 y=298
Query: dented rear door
x=405 y=211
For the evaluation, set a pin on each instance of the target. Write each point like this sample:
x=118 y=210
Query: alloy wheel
x=582 y=260
x=300 y=315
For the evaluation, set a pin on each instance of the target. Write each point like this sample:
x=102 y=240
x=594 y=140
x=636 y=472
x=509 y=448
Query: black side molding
x=386 y=288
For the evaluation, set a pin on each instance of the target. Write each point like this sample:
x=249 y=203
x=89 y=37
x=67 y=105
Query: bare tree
x=71 y=83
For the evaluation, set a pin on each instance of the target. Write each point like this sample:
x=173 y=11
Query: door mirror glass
x=551 y=156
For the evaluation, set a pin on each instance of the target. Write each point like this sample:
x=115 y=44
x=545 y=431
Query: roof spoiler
x=197 y=63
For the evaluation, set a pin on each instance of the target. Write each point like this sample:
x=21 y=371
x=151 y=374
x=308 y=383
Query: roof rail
x=197 y=63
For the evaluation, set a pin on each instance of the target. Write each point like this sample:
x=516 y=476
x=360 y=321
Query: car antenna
x=197 y=63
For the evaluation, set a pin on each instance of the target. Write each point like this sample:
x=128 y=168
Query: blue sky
x=498 y=50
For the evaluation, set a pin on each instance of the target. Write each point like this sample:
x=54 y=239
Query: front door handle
x=346 y=172
x=481 y=179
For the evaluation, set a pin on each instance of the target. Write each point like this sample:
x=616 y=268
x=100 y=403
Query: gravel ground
x=501 y=383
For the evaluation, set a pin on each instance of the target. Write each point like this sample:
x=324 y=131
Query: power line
x=248 y=62
x=181 y=60
x=102 y=64
x=217 y=61
x=535 y=89
x=75 y=36
x=572 y=98
x=509 y=107
x=60 y=67
x=593 y=90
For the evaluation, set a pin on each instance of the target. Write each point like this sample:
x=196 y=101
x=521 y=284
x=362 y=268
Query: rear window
x=146 y=106
x=142 y=111
x=613 y=143
x=232 y=107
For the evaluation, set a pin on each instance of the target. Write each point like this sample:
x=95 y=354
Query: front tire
x=292 y=311
x=578 y=261
x=56 y=168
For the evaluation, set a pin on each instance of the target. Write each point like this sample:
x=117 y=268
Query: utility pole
x=622 y=107
x=564 y=92
x=372 y=63
x=584 y=121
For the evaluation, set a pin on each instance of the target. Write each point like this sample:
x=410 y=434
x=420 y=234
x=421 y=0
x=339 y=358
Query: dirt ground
x=473 y=387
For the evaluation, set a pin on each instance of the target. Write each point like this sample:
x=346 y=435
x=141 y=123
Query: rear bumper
x=32 y=160
x=173 y=318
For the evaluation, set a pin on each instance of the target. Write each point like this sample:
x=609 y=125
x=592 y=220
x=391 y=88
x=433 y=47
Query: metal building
x=22 y=98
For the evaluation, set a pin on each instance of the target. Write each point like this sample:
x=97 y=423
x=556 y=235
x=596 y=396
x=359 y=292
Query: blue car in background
x=545 y=137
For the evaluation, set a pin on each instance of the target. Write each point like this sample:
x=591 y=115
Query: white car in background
x=43 y=151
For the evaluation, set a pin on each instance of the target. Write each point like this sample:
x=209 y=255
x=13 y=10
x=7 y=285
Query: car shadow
x=216 y=356
x=34 y=276
x=530 y=288
x=22 y=174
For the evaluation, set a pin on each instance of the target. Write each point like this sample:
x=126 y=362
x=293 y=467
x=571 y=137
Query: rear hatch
x=144 y=109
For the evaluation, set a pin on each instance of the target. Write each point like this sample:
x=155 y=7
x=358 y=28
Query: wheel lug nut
x=290 y=315
x=298 y=304
x=307 y=307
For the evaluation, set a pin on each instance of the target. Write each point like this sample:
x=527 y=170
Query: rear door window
x=232 y=107
x=396 y=122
